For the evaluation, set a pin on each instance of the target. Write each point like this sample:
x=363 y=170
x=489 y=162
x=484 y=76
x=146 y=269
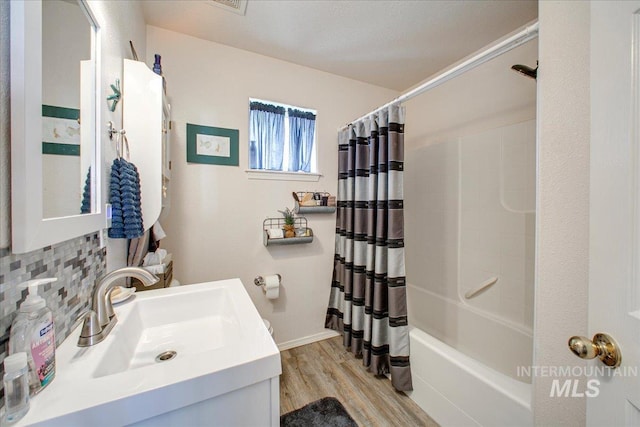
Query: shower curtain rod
x=526 y=33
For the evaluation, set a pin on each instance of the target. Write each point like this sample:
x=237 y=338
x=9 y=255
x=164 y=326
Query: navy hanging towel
x=124 y=196
x=86 y=194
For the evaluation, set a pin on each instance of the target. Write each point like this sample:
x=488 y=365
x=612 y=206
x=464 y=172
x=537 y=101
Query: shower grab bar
x=483 y=286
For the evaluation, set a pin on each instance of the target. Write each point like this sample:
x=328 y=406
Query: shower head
x=525 y=70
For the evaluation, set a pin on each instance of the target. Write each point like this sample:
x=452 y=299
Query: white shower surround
x=496 y=211
x=469 y=214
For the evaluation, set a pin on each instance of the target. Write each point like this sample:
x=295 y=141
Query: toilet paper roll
x=271 y=286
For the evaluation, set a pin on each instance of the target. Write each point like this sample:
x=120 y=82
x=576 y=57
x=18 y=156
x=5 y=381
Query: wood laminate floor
x=325 y=368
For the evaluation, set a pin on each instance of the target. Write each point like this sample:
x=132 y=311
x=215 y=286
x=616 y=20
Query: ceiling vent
x=236 y=6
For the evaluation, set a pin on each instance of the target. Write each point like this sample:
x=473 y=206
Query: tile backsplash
x=77 y=263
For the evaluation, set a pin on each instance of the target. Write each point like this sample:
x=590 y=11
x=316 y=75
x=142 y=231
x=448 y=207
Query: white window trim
x=282 y=176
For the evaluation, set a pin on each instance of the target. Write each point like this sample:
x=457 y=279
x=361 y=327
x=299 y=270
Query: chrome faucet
x=99 y=321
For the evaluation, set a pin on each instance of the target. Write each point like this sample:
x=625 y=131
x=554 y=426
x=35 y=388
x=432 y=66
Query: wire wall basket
x=273 y=228
x=314 y=205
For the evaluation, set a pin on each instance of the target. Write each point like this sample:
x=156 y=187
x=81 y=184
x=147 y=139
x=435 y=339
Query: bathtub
x=454 y=388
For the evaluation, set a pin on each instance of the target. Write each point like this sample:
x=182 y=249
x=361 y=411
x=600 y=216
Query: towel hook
x=121 y=140
x=111 y=130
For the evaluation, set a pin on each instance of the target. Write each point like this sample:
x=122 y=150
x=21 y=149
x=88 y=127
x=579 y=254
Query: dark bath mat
x=326 y=412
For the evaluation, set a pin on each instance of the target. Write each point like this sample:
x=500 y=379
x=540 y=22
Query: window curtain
x=266 y=136
x=302 y=125
x=367 y=303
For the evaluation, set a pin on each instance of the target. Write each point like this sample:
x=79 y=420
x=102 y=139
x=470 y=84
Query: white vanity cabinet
x=255 y=405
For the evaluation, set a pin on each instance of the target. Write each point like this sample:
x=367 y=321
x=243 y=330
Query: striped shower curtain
x=367 y=303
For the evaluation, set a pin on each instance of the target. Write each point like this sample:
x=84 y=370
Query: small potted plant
x=289 y=223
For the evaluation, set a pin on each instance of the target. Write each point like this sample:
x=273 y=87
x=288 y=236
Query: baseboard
x=307 y=340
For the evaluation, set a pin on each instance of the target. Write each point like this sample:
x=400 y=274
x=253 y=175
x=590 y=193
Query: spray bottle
x=33 y=332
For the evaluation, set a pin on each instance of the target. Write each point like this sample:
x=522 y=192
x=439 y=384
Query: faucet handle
x=91 y=326
x=80 y=317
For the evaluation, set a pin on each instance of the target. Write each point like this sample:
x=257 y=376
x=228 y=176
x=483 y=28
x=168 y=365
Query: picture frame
x=212 y=145
x=60 y=130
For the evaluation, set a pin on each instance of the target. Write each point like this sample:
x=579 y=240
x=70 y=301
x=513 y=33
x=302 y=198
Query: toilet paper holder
x=259 y=281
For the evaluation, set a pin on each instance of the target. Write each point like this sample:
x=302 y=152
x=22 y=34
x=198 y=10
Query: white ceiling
x=393 y=44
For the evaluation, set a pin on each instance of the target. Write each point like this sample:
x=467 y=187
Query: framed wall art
x=212 y=145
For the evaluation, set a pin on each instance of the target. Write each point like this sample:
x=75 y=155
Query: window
x=281 y=137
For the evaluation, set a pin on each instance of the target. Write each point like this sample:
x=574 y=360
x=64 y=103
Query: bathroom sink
x=165 y=328
x=171 y=349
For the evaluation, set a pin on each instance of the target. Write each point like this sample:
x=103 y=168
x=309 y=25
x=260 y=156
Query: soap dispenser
x=33 y=332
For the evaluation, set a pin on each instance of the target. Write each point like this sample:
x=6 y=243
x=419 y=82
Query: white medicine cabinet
x=146 y=120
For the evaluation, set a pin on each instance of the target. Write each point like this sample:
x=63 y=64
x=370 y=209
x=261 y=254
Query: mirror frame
x=29 y=229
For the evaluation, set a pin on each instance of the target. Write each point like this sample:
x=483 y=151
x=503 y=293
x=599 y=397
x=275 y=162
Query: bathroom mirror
x=67 y=85
x=55 y=142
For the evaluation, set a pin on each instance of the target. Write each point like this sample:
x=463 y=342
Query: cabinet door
x=142 y=120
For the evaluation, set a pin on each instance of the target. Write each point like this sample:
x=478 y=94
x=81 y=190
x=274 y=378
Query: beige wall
x=214 y=223
x=563 y=200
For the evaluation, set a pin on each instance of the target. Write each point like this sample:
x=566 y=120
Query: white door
x=614 y=274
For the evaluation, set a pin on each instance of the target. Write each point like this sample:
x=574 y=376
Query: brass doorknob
x=603 y=346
